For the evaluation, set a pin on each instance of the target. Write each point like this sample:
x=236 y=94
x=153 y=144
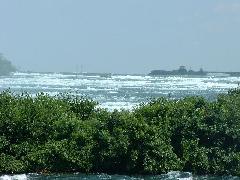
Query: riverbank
x=67 y=133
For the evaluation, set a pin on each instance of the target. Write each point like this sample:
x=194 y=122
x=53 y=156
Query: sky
x=120 y=36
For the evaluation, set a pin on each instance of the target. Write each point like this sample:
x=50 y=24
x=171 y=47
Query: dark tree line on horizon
x=6 y=66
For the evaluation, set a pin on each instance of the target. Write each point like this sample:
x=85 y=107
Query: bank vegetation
x=68 y=133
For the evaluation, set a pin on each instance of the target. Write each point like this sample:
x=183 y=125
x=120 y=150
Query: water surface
x=119 y=91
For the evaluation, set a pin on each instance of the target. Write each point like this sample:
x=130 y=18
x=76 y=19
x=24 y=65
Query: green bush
x=68 y=133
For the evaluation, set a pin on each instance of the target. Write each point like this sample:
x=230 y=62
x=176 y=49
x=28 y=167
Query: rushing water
x=175 y=175
x=116 y=92
x=119 y=91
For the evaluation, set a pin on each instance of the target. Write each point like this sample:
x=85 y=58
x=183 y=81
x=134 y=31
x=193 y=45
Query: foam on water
x=119 y=91
x=118 y=105
x=173 y=175
x=14 y=177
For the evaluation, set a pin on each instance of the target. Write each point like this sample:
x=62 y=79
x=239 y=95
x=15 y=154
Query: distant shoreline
x=208 y=73
x=183 y=71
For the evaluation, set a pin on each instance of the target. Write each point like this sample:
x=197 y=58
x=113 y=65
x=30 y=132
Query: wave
x=118 y=88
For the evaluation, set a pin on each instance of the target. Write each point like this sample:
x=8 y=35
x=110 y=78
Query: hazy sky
x=122 y=36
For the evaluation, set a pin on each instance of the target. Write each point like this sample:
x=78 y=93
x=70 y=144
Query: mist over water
x=119 y=91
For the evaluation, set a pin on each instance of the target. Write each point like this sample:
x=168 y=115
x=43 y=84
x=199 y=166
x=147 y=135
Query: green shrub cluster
x=68 y=133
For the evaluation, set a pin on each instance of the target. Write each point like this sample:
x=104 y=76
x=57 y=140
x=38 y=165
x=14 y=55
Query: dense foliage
x=69 y=133
x=6 y=66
